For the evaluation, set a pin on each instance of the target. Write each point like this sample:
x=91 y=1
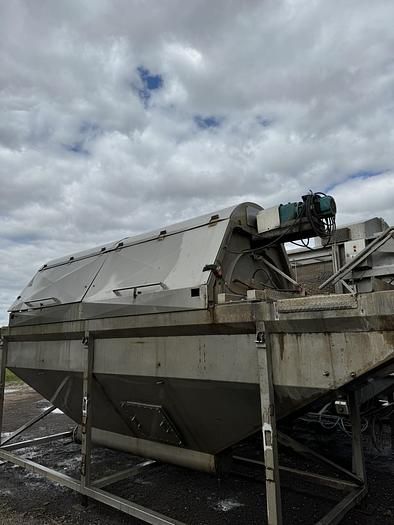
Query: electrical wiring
x=268 y=275
x=371 y=419
x=323 y=227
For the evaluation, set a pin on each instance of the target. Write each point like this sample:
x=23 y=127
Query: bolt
x=326 y=373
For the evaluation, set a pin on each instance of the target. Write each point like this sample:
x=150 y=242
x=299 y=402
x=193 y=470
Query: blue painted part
x=326 y=205
x=290 y=211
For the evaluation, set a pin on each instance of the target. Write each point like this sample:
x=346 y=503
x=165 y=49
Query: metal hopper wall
x=202 y=376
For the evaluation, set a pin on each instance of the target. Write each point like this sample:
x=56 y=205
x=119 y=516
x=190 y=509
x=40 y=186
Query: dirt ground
x=191 y=497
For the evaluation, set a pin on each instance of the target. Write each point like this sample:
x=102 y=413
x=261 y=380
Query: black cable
x=322 y=227
x=268 y=275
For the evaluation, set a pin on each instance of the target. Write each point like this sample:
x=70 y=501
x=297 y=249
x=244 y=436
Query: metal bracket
x=151 y=422
x=136 y=287
x=268 y=418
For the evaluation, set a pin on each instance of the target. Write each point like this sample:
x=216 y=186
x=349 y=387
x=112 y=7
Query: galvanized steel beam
x=87 y=404
x=268 y=418
x=3 y=363
x=37 y=441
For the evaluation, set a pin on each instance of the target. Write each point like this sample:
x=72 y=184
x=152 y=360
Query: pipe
x=181 y=457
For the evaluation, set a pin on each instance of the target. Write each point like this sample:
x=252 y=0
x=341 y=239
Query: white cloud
x=302 y=93
x=362 y=198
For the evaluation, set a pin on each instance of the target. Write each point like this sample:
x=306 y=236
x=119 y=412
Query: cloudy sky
x=121 y=116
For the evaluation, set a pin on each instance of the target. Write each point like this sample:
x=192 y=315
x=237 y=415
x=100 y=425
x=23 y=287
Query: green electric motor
x=325 y=206
x=313 y=216
x=290 y=212
x=316 y=205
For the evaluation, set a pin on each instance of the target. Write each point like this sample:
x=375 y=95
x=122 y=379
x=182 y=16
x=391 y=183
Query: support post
x=3 y=363
x=270 y=438
x=358 y=463
x=391 y=399
x=336 y=264
x=86 y=424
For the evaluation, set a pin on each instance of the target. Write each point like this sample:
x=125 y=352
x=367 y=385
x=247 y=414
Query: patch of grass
x=10 y=377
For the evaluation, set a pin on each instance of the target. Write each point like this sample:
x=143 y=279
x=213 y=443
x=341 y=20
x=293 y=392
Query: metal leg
x=358 y=466
x=3 y=362
x=391 y=399
x=270 y=441
x=358 y=463
x=86 y=426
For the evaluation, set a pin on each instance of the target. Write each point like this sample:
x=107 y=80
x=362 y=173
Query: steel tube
x=153 y=450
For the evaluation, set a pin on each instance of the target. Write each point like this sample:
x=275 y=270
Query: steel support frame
x=84 y=485
x=269 y=431
x=28 y=425
x=271 y=438
x=3 y=364
x=390 y=399
x=356 y=487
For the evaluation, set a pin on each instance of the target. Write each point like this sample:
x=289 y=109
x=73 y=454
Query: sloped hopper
x=175 y=374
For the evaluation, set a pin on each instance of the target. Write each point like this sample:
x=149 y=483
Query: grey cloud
x=302 y=93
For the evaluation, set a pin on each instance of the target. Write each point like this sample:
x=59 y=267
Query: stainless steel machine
x=363 y=251
x=179 y=344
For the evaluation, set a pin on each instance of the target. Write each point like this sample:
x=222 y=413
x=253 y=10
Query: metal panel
x=268 y=219
x=151 y=422
x=353 y=248
x=209 y=357
x=145 y=273
x=182 y=267
x=58 y=285
x=329 y=360
x=160 y=268
x=317 y=303
x=47 y=355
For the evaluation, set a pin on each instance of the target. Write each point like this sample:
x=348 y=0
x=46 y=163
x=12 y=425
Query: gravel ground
x=191 y=497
